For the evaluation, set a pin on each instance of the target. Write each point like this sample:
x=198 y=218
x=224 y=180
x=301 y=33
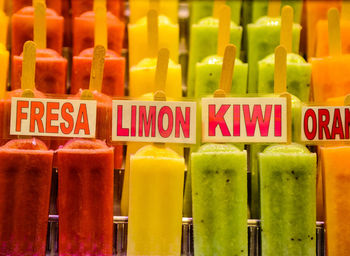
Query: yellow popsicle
x=4 y=62
x=156 y=191
x=4 y=23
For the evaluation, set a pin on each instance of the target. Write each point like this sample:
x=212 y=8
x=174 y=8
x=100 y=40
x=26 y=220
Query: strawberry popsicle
x=81 y=6
x=113 y=75
x=85 y=192
x=155 y=209
x=83 y=32
x=22 y=29
x=24 y=196
x=50 y=72
x=52 y=4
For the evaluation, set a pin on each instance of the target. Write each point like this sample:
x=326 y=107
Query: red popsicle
x=52 y=4
x=83 y=32
x=81 y=6
x=85 y=192
x=113 y=75
x=22 y=29
x=25 y=181
x=50 y=72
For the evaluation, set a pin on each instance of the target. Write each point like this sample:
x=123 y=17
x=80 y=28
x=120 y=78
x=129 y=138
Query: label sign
x=244 y=120
x=154 y=121
x=53 y=117
x=325 y=124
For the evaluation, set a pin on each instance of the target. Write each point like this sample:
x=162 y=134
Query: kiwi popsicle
x=219 y=190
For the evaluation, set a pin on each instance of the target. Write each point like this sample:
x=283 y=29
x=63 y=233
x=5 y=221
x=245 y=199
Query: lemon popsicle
x=203 y=43
x=168 y=8
x=263 y=38
x=219 y=190
x=208 y=74
x=204 y=8
x=288 y=200
x=155 y=208
x=336 y=183
x=25 y=181
x=85 y=192
x=298 y=76
x=168 y=37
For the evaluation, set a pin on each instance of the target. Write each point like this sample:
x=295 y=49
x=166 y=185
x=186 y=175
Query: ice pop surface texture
x=322 y=45
x=50 y=72
x=263 y=38
x=204 y=8
x=85 y=192
x=143 y=74
x=298 y=76
x=155 y=209
x=288 y=200
x=203 y=43
x=219 y=190
x=329 y=77
x=168 y=37
x=168 y=8
x=208 y=73
x=22 y=29
x=25 y=182
x=83 y=32
x=113 y=74
x=336 y=191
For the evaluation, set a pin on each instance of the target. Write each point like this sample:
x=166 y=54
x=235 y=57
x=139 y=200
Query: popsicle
x=263 y=38
x=322 y=42
x=204 y=43
x=155 y=209
x=22 y=29
x=81 y=6
x=336 y=198
x=171 y=85
x=104 y=103
x=205 y=8
x=139 y=9
x=219 y=187
x=85 y=192
x=56 y=5
x=24 y=196
x=4 y=23
x=4 y=60
x=165 y=33
x=315 y=10
x=288 y=200
x=328 y=79
x=83 y=32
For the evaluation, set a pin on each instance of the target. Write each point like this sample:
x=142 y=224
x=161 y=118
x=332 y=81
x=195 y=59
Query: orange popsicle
x=52 y=4
x=81 y=6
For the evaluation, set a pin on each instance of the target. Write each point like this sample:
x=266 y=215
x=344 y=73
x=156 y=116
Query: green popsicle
x=219 y=184
x=298 y=76
x=203 y=43
x=288 y=200
x=263 y=38
x=208 y=74
x=204 y=8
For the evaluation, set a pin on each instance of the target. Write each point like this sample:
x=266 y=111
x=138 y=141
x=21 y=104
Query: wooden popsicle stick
x=287 y=28
x=347 y=100
x=217 y=5
x=280 y=76
x=152 y=33
x=28 y=66
x=335 y=47
x=345 y=10
x=224 y=29
x=101 y=29
x=97 y=66
x=161 y=74
x=274 y=8
x=99 y=3
x=227 y=68
x=154 y=5
x=288 y=96
x=40 y=25
x=34 y=2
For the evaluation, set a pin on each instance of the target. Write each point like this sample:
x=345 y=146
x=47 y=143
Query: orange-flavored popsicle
x=22 y=29
x=83 y=32
x=85 y=192
x=25 y=181
x=336 y=197
x=52 y=4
